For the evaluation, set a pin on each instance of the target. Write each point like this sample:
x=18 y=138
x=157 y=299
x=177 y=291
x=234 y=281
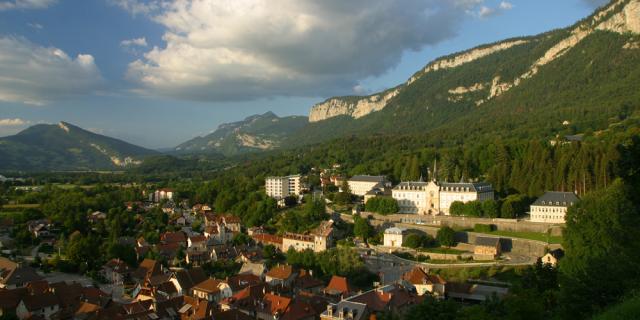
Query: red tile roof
x=209 y=286
x=338 y=285
x=417 y=276
x=275 y=304
x=282 y=272
x=267 y=238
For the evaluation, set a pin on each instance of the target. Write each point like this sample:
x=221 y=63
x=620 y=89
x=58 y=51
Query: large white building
x=412 y=197
x=360 y=185
x=463 y=192
x=436 y=197
x=318 y=240
x=282 y=187
x=552 y=207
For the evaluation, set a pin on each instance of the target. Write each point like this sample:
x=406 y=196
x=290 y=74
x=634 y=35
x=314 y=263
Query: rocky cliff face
x=620 y=16
x=359 y=108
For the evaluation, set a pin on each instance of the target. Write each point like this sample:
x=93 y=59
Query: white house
x=360 y=185
x=552 y=207
x=282 y=187
x=463 y=192
x=161 y=194
x=394 y=237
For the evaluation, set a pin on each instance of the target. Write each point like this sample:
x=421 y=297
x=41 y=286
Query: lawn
x=527 y=235
x=443 y=250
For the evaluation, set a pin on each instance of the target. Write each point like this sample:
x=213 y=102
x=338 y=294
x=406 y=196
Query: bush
x=457 y=208
x=446 y=237
x=382 y=205
x=483 y=228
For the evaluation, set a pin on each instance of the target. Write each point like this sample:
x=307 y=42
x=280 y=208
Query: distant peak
x=269 y=114
x=64 y=126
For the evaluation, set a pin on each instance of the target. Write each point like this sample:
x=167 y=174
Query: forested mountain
x=64 y=146
x=257 y=132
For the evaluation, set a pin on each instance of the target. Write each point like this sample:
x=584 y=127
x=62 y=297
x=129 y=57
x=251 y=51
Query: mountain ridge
x=64 y=146
x=253 y=133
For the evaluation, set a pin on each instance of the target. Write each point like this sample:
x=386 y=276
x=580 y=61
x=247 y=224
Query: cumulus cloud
x=140 y=42
x=506 y=5
x=247 y=49
x=26 y=4
x=36 y=26
x=140 y=7
x=486 y=12
x=32 y=74
x=16 y=122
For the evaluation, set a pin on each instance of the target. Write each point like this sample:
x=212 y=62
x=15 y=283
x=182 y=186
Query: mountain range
x=64 y=146
x=578 y=79
x=255 y=133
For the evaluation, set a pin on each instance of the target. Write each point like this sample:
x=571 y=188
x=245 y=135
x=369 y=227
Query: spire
x=435 y=170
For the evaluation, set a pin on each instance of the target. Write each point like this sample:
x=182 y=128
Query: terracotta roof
x=87 y=308
x=282 y=272
x=241 y=281
x=338 y=286
x=147 y=269
x=173 y=237
x=382 y=299
x=299 y=310
x=198 y=238
x=418 y=276
x=34 y=302
x=267 y=238
x=248 y=297
x=306 y=281
x=231 y=315
x=210 y=285
x=188 y=278
x=274 y=304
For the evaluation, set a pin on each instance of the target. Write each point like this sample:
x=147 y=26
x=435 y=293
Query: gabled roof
x=299 y=310
x=35 y=302
x=417 y=276
x=267 y=238
x=173 y=237
x=274 y=304
x=338 y=286
x=209 y=286
x=281 y=272
x=557 y=199
x=306 y=281
x=487 y=241
x=381 y=299
x=188 y=278
x=241 y=281
x=255 y=268
x=357 y=309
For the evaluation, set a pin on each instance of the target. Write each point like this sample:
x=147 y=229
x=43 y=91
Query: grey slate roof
x=487 y=241
x=356 y=308
x=470 y=186
x=557 y=199
x=364 y=178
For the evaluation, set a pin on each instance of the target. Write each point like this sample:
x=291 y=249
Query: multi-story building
x=552 y=207
x=463 y=192
x=411 y=197
x=282 y=187
x=317 y=240
x=161 y=194
x=360 y=185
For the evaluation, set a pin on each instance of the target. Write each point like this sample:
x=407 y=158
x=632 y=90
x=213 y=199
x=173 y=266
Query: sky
x=159 y=72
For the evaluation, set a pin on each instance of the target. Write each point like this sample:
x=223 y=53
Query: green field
x=443 y=250
x=528 y=235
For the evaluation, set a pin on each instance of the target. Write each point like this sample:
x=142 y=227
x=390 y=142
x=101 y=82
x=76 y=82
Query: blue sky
x=159 y=72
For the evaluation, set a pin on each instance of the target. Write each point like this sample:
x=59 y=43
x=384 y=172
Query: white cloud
x=36 y=26
x=486 y=12
x=16 y=122
x=26 y=4
x=140 y=7
x=35 y=75
x=504 y=5
x=140 y=42
x=247 y=49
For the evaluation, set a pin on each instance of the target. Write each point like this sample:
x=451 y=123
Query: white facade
x=463 y=192
x=282 y=187
x=412 y=197
x=360 y=185
x=393 y=237
x=552 y=207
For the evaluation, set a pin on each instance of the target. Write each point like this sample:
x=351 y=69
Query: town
x=368 y=252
